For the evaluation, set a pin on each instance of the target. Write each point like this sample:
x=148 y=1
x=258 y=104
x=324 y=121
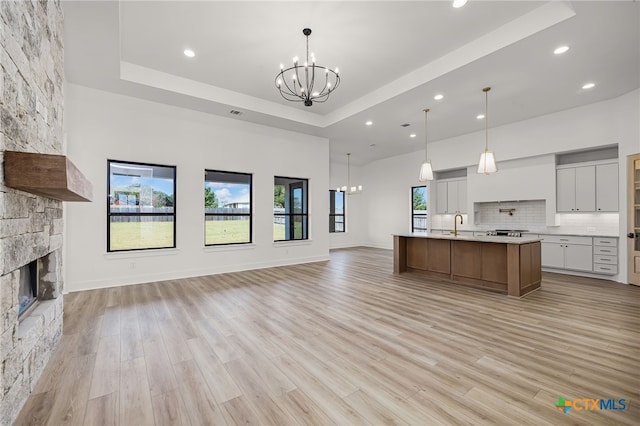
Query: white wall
x=388 y=196
x=615 y=121
x=101 y=126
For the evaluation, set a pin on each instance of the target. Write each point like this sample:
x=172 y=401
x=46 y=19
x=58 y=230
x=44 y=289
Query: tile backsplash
x=590 y=223
x=511 y=214
x=531 y=215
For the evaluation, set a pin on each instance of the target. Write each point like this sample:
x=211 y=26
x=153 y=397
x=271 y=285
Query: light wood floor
x=341 y=342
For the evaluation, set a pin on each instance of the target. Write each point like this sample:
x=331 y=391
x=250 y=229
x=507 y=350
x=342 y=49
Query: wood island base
x=510 y=267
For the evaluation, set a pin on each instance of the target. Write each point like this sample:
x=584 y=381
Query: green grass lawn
x=141 y=235
x=226 y=231
x=278 y=231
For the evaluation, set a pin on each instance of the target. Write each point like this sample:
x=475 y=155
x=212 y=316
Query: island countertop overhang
x=479 y=238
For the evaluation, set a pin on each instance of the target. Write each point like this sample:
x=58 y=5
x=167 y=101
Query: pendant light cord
x=426 y=157
x=349 y=172
x=307 y=49
x=486 y=118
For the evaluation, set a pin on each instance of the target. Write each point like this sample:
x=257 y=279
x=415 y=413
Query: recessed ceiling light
x=369 y=123
x=438 y=97
x=189 y=53
x=560 y=50
x=480 y=116
x=459 y=3
x=412 y=135
x=589 y=86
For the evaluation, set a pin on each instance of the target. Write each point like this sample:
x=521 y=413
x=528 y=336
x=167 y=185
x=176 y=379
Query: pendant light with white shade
x=348 y=189
x=426 y=171
x=487 y=163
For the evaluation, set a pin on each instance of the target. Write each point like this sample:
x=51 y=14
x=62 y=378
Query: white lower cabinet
x=576 y=253
x=578 y=258
x=553 y=255
x=566 y=252
x=605 y=255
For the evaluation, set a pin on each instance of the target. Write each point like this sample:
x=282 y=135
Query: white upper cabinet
x=566 y=190
x=607 y=187
x=587 y=188
x=462 y=196
x=451 y=196
x=441 y=197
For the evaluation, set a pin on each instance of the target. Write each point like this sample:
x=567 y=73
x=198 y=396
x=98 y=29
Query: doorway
x=633 y=228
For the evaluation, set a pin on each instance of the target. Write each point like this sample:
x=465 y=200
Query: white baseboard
x=615 y=278
x=174 y=275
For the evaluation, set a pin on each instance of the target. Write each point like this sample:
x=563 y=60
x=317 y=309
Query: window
x=290 y=220
x=141 y=211
x=419 y=209
x=227 y=207
x=336 y=211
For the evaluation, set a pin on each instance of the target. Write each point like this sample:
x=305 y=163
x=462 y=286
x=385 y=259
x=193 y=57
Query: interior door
x=633 y=219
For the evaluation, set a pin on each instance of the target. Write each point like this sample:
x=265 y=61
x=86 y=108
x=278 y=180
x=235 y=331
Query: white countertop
x=546 y=231
x=480 y=238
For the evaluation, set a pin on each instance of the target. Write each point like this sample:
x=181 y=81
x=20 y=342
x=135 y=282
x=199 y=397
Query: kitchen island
x=503 y=264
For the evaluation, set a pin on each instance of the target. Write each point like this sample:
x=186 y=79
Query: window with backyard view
x=141 y=211
x=290 y=201
x=336 y=211
x=419 y=209
x=227 y=207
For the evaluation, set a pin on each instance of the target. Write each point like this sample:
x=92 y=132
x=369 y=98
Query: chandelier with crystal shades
x=307 y=82
x=487 y=163
x=426 y=171
x=348 y=189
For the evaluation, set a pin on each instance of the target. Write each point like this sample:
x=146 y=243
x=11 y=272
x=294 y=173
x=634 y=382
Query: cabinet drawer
x=602 y=241
x=607 y=251
x=566 y=239
x=605 y=269
x=612 y=260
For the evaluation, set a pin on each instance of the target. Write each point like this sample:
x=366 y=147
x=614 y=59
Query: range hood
x=47 y=175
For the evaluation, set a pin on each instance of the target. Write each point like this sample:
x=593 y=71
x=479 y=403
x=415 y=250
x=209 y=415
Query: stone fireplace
x=31 y=112
x=29 y=339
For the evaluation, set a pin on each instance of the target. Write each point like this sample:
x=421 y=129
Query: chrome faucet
x=455 y=224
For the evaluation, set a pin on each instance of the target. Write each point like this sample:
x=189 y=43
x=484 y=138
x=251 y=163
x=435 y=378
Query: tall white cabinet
x=451 y=196
x=607 y=187
x=588 y=187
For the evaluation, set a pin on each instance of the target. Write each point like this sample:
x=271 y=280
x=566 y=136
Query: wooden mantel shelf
x=47 y=175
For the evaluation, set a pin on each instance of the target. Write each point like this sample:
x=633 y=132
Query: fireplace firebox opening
x=28 y=287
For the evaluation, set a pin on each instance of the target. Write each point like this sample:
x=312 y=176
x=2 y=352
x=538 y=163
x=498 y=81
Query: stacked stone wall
x=31 y=112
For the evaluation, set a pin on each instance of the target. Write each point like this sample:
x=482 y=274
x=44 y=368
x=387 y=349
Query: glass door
x=297 y=203
x=634 y=219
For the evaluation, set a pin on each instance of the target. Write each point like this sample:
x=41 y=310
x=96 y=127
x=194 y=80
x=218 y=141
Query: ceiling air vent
x=405 y=125
x=235 y=112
